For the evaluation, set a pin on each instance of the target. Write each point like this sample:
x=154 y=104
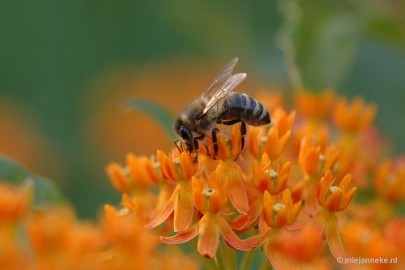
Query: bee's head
x=184 y=133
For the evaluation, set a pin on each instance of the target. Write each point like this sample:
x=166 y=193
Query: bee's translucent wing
x=219 y=79
x=220 y=91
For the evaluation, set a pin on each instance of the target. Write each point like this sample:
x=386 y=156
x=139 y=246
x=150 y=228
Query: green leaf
x=45 y=192
x=157 y=112
x=319 y=39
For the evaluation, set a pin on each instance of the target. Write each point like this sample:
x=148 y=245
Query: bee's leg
x=196 y=145
x=215 y=142
x=179 y=145
x=242 y=129
x=242 y=133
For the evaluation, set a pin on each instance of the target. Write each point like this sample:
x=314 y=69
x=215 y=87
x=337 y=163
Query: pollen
x=123 y=212
x=278 y=206
x=334 y=188
x=272 y=173
x=322 y=157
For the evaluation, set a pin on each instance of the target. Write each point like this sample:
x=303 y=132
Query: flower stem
x=247 y=260
x=265 y=265
x=228 y=256
x=219 y=261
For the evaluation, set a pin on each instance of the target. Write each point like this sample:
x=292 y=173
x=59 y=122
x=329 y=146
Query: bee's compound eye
x=185 y=133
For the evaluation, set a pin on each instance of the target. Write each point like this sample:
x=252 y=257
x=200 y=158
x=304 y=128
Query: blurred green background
x=67 y=66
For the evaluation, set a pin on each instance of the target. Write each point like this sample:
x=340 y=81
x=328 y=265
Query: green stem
x=247 y=260
x=228 y=255
x=265 y=265
x=210 y=264
x=219 y=258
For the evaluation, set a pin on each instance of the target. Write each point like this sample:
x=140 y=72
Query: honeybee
x=218 y=104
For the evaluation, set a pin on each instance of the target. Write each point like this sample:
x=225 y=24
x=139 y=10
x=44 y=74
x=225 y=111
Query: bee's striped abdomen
x=242 y=106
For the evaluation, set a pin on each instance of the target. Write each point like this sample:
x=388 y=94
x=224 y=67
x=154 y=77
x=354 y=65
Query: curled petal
x=230 y=236
x=245 y=221
x=181 y=237
x=257 y=240
x=165 y=211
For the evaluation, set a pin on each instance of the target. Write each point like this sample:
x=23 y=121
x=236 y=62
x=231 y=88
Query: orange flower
x=354 y=117
x=11 y=252
x=369 y=240
x=389 y=181
x=277 y=215
x=264 y=177
x=177 y=170
x=312 y=161
x=14 y=201
x=275 y=142
x=58 y=240
x=139 y=174
x=246 y=190
x=297 y=249
x=282 y=120
x=332 y=197
x=132 y=244
x=394 y=232
x=14 y=206
x=309 y=157
x=280 y=214
x=210 y=201
x=314 y=106
x=361 y=238
x=229 y=147
x=303 y=246
x=232 y=178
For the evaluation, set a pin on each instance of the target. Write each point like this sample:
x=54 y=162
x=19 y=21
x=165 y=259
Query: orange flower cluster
x=289 y=190
x=55 y=239
x=313 y=186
